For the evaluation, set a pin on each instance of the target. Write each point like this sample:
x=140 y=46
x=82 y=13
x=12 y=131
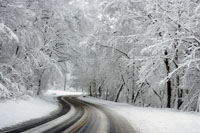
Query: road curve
x=77 y=116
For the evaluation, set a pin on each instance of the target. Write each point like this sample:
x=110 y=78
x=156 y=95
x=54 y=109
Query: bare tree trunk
x=94 y=88
x=90 y=90
x=120 y=89
x=180 y=94
x=128 y=95
x=179 y=91
x=198 y=102
x=118 y=93
x=17 y=50
x=99 y=90
x=160 y=98
x=133 y=89
x=39 y=87
x=106 y=93
x=65 y=82
x=136 y=96
x=169 y=89
x=132 y=96
x=40 y=82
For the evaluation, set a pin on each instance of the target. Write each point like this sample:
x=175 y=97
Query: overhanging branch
x=119 y=51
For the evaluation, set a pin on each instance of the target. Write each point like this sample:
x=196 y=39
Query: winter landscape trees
x=141 y=52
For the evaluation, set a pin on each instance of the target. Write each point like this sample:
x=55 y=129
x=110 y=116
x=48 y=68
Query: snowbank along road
x=76 y=116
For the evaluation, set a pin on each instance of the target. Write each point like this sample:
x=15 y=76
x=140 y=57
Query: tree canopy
x=144 y=52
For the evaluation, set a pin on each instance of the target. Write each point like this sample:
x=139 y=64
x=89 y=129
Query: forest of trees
x=144 y=52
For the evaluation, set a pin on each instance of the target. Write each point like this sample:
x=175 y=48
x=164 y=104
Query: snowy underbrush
x=16 y=111
x=12 y=91
x=153 y=120
x=11 y=88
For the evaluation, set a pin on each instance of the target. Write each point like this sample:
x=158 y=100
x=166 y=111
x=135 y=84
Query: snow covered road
x=78 y=116
x=96 y=115
x=152 y=120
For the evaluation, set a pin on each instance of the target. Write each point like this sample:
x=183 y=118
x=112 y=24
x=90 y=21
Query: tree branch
x=123 y=53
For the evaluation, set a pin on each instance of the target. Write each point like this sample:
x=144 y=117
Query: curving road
x=76 y=116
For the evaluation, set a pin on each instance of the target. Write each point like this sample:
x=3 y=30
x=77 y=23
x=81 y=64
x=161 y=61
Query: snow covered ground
x=56 y=93
x=144 y=120
x=14 y=112
x=152 y=120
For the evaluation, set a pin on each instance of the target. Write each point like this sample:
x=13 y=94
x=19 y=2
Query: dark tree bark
x=133 y=88
x=118 y=93
x=90 y=90
x=120 y=89
x=136 y=96
x=106 y=93
x=17 y=50
x=39 y=82
x=99 y=89
x=132 y=96
x=179 y=91
x=160 y=98
x=169 y=88
x=180 y=95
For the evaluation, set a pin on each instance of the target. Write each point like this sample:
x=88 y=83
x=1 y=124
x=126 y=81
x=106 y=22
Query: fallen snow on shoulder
x=57 y=93
x=152 y=120
x=15 y=112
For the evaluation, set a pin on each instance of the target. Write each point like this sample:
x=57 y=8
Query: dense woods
x=144 y=52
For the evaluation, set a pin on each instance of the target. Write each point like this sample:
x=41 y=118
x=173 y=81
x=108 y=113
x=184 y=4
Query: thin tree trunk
x=99 y=89
x=39 y=83
x=106 y=93
x=17 y=50
x=160 y=98
x=179 y=91
x=39 y=87
x=198 y=103
x=120 y=89
x=118 y=93
x=169 y=89
x=132 y=96
x=90 y=90
x=137 y=94
x=65 y=82
x=180 y=95
x=133 y=86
